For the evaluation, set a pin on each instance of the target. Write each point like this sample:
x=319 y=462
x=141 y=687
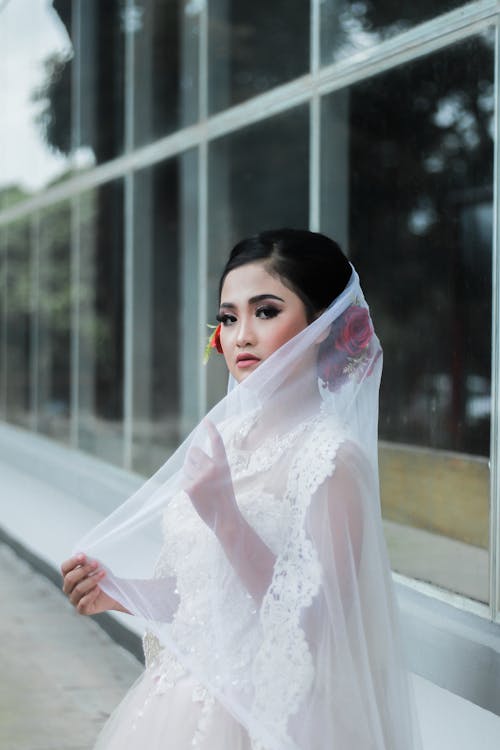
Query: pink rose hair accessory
x=345 y=353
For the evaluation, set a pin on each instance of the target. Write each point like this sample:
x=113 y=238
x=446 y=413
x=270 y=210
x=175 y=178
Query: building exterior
x=140 y=140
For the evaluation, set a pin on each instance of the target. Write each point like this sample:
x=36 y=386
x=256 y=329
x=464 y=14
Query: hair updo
x=310 y=264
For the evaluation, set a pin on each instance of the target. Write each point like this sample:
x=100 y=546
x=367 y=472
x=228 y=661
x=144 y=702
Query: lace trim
x=167 y=671
x=283 y=669
x=246 y=463
x=203 y=696
x=151 y=647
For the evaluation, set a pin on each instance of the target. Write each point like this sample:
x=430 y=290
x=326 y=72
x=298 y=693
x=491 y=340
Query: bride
x=255 y=555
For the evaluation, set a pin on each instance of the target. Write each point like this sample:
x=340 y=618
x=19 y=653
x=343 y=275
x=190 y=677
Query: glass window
x=408 y=189
x=18 y=332
x=350 y=27
x=252 y=49
x=99 y=38
x=54 y=321
x=34 y=95
x=165 y=311
x=100 y=328
x=259 y=179
x=166 y=42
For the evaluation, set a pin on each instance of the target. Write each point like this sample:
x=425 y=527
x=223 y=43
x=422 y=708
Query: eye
x=225 y=318
x=266 y=312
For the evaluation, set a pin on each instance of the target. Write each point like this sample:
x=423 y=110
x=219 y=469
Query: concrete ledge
x=94 y=483
x=454 y=649
x=51 y=495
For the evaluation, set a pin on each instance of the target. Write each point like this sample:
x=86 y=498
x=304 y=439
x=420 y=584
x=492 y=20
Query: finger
x=78 y=574
x=68 y=565
x=197 y=457
x=85 y=586
x=216 y=442
x=82 y=588
x=84 y=606
x=196 y=462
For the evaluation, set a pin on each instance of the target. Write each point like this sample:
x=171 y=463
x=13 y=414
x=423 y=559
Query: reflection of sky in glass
x=30 y=31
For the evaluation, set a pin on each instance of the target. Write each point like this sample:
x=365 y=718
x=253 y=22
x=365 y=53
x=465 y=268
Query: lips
x=246 y=360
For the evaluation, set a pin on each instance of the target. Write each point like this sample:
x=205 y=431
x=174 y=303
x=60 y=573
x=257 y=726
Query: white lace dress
x=168 y=708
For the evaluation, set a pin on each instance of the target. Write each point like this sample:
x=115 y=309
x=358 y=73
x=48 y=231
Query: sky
x=30 y=30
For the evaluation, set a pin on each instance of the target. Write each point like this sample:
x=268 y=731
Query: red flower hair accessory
x=213 y=343
x=345 y=353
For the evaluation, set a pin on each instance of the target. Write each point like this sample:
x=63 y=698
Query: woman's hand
x=81 y=578
x=210 y=486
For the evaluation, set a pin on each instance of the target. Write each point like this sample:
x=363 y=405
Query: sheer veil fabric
x=299 y=644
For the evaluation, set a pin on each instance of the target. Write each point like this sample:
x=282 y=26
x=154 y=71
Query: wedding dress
x=315 y=663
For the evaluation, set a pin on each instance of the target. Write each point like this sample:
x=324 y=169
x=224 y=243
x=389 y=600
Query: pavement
x=61 y=675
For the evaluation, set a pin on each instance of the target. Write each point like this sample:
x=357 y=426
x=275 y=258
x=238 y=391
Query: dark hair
x=310 y=264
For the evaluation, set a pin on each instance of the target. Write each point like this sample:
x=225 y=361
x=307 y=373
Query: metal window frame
x=315 y=121
x=35 y=252
x=4 y=269
x=495 y=363
x=430 y=36
x=76 y=109
x=202 y=145
x=75 y=320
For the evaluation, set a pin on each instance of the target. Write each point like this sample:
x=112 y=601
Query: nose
x=246 y=332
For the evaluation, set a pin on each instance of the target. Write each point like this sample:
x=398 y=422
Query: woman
x=270 y=613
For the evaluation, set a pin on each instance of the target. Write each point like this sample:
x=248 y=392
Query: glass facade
x=165 y=309
x=52 y=277
x=424 y=245
x=252 y=50
x=99 y=324
x=142 y=139
x=19 y=296
x=164 y=67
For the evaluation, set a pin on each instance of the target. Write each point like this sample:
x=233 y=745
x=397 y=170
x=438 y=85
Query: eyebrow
x=252 y=300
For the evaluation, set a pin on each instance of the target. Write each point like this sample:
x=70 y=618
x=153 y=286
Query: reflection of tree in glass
x=100 y=85
x=252 y=49
x=100 y=299
x=421 y=159
x=10 y=195
x=54 y=319
x=94 y=328
x=53 y=98
x=16 y=282
x=158 y=84
x=348 y=27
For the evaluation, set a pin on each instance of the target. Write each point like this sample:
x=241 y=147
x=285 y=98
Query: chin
x=240 y=375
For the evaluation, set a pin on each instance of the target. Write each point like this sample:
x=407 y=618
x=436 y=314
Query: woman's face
x=258 y=314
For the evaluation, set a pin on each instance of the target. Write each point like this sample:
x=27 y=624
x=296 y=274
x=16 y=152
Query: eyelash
x=225 y=318
x=268 y=312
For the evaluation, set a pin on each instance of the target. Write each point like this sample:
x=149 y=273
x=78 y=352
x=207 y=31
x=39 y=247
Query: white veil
x=289 y=616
